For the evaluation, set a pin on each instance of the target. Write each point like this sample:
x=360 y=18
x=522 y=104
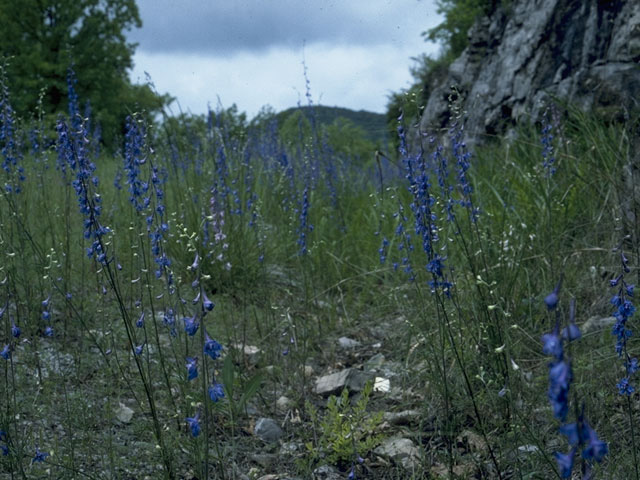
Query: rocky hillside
x=583 y=51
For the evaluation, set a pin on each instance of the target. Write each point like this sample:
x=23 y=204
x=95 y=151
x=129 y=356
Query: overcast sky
x=251 y=52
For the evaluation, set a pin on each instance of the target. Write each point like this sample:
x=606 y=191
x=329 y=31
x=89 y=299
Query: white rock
x=124 y=413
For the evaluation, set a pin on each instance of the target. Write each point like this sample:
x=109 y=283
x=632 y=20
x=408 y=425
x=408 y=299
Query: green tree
x=348 y=139
x=41 y=40
x=296 y=131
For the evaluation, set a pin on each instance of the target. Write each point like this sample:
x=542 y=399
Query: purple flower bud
x=551 y=300
x=196 y=262
x=6 y=352
x=206 y=303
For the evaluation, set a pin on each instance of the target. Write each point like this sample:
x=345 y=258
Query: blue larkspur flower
x=551 y=300
x=191 y=325
x=216 y=392
x=565 y=462
x=211 y=347
x=632 y=366
x=6 y=352
x=194 y=265
x=552 y=344
x=352 y=473
x=39 y=456
x=140 y=321
x=624 y=387
x=192 y=368
x=596 y=449
x=206 y=303
x=559 y=380
x=570 y=430
x=138 y=349
x=572 y=332
x=15 y=330
x=194 y=424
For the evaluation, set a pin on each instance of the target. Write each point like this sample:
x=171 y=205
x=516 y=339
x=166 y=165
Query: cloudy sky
x=251 y=52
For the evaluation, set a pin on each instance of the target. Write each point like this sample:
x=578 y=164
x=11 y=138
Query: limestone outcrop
x=584 y=51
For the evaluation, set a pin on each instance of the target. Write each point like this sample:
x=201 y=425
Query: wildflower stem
x=633 y=436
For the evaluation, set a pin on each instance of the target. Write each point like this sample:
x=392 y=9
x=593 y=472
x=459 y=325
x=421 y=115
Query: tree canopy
x=42 y=40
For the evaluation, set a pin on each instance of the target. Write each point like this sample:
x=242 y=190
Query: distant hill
x=374 y=124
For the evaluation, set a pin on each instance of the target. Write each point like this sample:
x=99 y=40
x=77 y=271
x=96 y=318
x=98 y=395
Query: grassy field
x=159 y=303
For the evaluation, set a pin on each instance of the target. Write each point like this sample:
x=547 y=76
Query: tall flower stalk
x=580 y=436
x=72 y=148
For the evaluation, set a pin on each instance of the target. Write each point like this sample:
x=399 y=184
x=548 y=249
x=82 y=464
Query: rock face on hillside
x=585 y=51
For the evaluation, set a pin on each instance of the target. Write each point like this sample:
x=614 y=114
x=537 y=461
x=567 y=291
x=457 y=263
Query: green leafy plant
x=238 y=395
x=345 y=432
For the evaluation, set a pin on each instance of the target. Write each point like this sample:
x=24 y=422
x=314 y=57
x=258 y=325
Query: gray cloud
x=221 y=28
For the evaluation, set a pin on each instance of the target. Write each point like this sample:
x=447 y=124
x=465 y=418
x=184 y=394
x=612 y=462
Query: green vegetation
x=371 y=124
x=345 y=432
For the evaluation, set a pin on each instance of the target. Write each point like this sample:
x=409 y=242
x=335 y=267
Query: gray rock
x=290 y=448
x=596 y=323
x=284 y=403
x=251 y=352
x=349 y=378
x=405 y=417
x=123 y=413
x=268 y=430
x=400 y=450
x=375 y=362
x=528 y=449
x=326 y=472
x=265 y=460
x=523 y=55
x=54 y=362
x=348 y=343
